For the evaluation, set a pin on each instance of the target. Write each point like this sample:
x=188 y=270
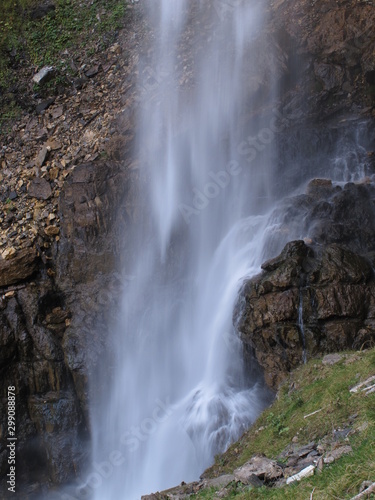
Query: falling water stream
x=180 y=393
x=302 y=326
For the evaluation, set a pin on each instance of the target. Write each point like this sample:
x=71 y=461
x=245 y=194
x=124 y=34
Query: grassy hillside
x=69 y=34
x=312 y=387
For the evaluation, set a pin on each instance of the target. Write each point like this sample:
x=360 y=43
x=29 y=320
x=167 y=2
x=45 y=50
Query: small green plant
x=295 y=399
x=277 y=422
x=220 y=459
x=9 y=206
x=207 y=494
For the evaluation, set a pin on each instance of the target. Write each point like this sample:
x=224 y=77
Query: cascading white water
x=179 y=394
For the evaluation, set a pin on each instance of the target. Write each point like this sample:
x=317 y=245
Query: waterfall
x=179 y=393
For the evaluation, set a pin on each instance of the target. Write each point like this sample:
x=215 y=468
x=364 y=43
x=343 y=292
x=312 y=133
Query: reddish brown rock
x=52 y=230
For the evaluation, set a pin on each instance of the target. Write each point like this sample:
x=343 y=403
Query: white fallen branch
x=308 y=471
x=370 y=389
x=367 y=491
x=313 y=413
x=366 y=383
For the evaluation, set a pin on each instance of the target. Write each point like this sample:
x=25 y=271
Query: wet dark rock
x=315 y=298
x=331 y=44
x=294 y=253
x=57 y=316
x=318 y=188
x=55 y=416
x=331 y=76
x=50 y=426
x=93 y=210
x=329 y=215
x=52 y=329
x=91 y=205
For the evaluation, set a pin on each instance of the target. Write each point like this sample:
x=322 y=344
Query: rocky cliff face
x=316 y=297
x=330 y=54
x=53 y=327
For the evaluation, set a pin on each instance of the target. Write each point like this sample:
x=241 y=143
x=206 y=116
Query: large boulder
x=319 y=300
x=317 y=297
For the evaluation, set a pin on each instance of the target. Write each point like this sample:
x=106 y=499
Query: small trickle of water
x=301 y=327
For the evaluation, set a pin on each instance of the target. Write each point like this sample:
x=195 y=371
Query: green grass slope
x=74 y=31
x=325 y=389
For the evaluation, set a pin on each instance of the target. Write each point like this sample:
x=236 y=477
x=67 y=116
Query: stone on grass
x=337 y=453
x=260 y=466
x=43 y=75
x=331 y=359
